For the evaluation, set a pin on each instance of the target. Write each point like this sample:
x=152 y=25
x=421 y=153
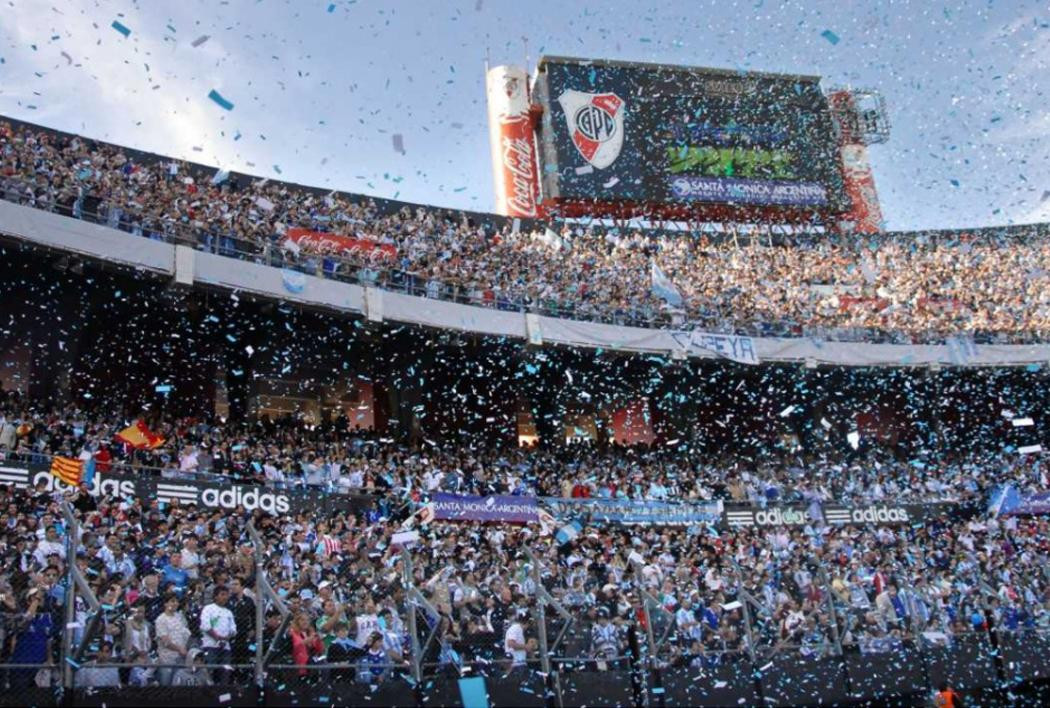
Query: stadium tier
x=214 y=493
x=906 y=287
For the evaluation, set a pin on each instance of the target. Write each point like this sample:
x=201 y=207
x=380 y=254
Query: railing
x=402 y=500
x=431 y=666
x=363 y=272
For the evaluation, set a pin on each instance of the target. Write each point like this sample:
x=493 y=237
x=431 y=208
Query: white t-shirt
x=515 y=633
x=219 y=619
x=190 y=562
x=366 y=624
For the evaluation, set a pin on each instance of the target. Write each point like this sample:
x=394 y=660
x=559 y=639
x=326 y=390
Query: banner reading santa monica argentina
x=497 y=507
x=626 y=511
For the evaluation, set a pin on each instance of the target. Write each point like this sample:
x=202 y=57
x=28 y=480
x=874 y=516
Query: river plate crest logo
x=595 y=122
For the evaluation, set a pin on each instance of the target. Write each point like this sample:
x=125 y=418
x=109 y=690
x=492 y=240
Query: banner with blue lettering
x=1007 y=501
x=729 y=346
x=627 y=511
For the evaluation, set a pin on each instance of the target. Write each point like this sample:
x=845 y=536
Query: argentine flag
x=663 y=288
x=568 y=532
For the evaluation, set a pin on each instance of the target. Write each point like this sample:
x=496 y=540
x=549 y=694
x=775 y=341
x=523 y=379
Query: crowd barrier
x=906 y=677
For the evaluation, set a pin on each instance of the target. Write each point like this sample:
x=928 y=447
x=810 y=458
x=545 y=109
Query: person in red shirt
x=305 y=643
x=103 y=459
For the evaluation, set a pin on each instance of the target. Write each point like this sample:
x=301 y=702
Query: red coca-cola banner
x=875 y=304
x=940 y=304
x=515 y=169
x=320 y=243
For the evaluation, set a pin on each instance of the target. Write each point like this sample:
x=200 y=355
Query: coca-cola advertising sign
x=519 y=166
x=515 y=169
x=324 y=244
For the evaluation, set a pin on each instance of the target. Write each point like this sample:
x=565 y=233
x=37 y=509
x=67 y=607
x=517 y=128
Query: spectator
x=193 y=674
x=306 y=645
x=94 y=674
x=217 y=630
x=173 y=636
x=32 y=632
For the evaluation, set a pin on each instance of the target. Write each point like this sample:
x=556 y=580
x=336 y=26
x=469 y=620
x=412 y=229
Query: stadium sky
x=320 y=87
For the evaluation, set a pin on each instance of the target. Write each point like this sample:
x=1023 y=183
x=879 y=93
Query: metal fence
x=732 y=647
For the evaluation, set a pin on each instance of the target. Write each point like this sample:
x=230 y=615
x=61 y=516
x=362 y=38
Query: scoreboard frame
x=599 y=114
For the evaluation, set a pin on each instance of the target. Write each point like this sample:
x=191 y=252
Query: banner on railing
x=1008 y=501
x=729 y=346
x=881 y=515
x=496 y=507
x=320 y=243
x=840 y=515
x=201 y=493
x=627 y=511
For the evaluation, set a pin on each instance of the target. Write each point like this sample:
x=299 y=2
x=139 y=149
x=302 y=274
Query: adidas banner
x=204 y=494
x=838 y=515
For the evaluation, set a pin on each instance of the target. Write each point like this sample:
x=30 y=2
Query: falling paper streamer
x=1028 y=449
x=1022 y=422
x=399 y=143
x=611 y=183
x=120 y=28
x=69 y=59
x=200 y=40
x=830 y=36
x=217 y=97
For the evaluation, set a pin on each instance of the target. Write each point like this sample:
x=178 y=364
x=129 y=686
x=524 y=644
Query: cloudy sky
x=319 y=87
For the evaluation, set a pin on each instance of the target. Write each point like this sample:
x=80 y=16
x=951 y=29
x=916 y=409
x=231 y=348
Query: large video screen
x=661 y=134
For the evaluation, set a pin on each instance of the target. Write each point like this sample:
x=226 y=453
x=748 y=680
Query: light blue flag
x=88 y=475
x=663 y=288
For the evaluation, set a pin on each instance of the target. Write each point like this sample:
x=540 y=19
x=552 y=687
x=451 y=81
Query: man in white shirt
x=49 y=545
x=514 y=641
x=218 y=627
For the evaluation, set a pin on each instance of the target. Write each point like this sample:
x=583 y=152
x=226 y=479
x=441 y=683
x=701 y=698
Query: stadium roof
x=737 y=73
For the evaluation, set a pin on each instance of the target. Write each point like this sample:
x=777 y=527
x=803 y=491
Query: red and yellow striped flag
x=140 y=437
x=67 y=470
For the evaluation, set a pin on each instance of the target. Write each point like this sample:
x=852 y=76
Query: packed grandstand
x=314 y=561
x=921 y=287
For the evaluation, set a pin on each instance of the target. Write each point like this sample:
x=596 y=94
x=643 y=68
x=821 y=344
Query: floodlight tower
x=860 y=120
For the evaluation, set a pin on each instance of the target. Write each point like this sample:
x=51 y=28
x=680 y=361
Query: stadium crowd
x=177 y=582
x=913 y=287
x=335 y=456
